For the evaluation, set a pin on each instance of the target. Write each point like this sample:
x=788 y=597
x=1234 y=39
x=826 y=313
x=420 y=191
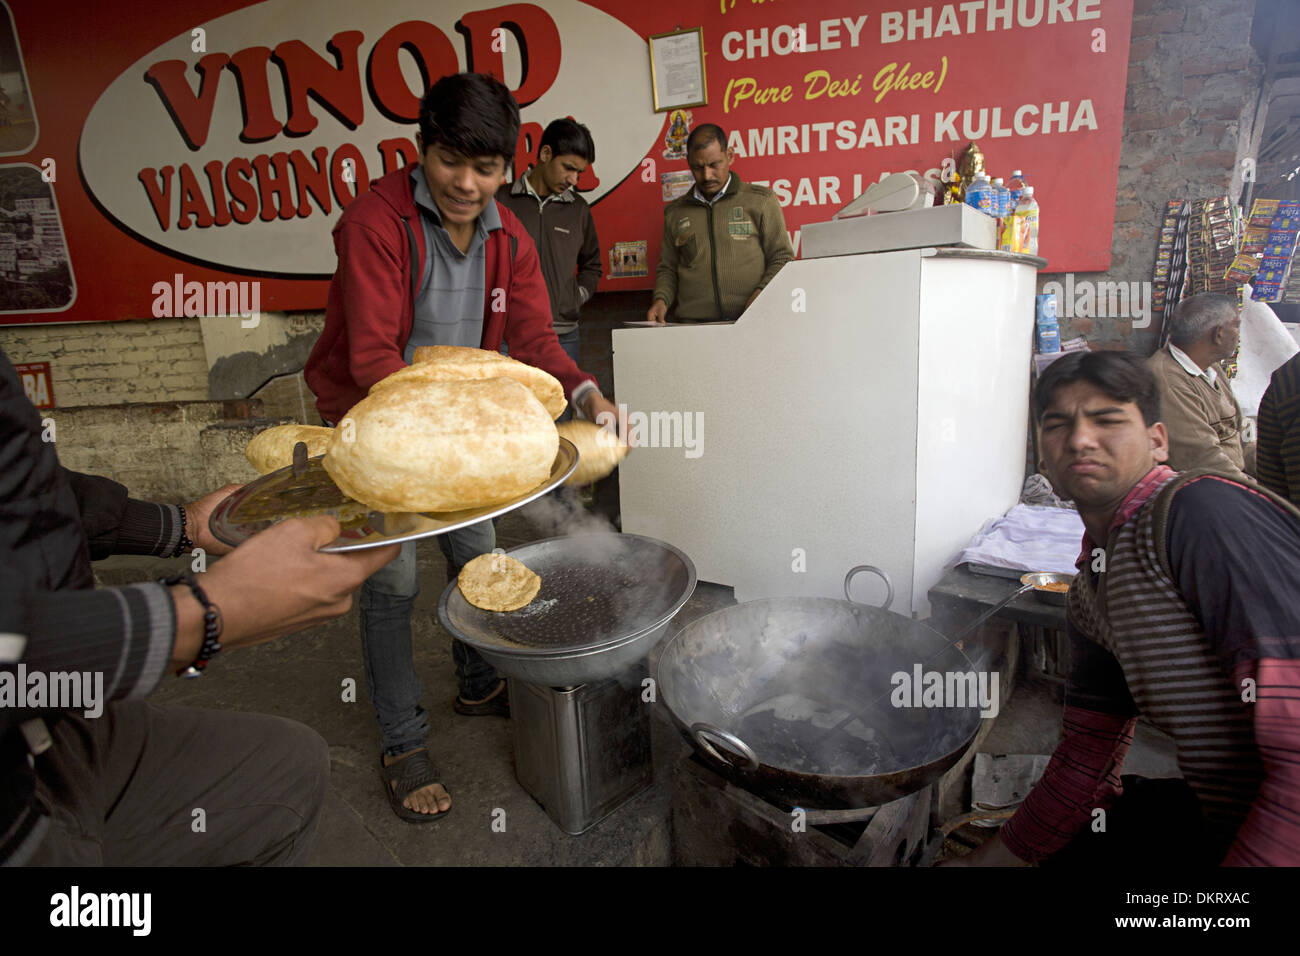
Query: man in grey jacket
x=559 y=221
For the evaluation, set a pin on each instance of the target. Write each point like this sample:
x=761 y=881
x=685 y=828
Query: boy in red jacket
x=427 y=257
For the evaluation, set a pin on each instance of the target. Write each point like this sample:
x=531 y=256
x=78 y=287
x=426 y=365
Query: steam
x=562 y=514
x=629 y=580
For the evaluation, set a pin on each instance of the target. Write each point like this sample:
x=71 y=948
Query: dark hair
x=567 y=137
x=472 y=113
x=704 y=134
x=1123 y=376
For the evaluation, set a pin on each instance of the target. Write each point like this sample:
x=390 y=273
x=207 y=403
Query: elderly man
x=1186 y=609
x=1200 y=409
x=723 y=242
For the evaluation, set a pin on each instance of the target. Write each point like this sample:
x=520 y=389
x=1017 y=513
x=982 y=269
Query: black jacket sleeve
x=117 y=524
x=589 y=258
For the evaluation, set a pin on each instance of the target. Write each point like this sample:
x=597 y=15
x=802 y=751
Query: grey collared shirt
x=449 y=304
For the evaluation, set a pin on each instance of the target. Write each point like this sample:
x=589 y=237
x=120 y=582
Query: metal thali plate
x=282 y=494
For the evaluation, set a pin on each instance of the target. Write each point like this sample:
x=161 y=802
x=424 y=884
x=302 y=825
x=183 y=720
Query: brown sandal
x=413 y=772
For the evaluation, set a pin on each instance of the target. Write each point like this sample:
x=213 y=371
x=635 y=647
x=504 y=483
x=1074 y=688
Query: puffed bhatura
x=599 y=451
x=272 y=449
x=498 y=582
x=443 y=446
x=451 y=363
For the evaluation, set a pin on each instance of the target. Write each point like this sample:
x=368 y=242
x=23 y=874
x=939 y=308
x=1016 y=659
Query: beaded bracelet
x=212 y=625
x=185 y=544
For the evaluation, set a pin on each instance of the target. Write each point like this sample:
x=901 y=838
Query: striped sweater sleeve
x=1270 y=834
x=1082 y=776
x=124 y=633
x=117 y=524
x=1236 y=557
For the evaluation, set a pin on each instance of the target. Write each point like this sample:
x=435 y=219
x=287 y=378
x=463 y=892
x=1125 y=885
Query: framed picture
x=677 y=70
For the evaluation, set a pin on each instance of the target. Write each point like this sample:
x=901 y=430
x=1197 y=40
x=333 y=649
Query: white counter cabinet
x=866 y=409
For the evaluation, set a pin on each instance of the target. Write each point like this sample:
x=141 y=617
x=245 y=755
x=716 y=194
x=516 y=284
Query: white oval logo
x=238 y=144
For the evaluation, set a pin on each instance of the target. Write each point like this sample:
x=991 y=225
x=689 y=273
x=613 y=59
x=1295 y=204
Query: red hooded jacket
x=371 y=307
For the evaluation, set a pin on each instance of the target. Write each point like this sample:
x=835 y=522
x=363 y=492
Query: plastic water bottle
x=980 y=195
x=1005 y=206
x=1001 y=198
x=1016 y=186
x=1026 y=223
x=1046 y=325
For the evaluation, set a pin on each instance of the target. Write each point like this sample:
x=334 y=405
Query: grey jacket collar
x=522 y=188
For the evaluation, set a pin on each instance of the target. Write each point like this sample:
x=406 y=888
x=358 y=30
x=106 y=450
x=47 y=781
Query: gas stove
x=716 y=823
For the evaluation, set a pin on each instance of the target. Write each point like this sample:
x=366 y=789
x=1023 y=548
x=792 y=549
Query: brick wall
x=1189 y=120
x=112 y=363
x=168 y=451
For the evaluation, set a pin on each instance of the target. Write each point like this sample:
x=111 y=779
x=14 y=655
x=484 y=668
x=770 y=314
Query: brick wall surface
x=1189 y=109
x=156 y=450
x=112 y=363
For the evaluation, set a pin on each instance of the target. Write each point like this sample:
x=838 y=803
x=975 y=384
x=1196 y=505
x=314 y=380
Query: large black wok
x=791 y=699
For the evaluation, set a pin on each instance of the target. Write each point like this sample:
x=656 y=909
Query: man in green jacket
x=723 y=242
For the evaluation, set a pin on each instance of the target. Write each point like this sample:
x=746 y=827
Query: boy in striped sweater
x=1186 y=610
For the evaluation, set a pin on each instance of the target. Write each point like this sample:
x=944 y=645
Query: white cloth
x=1265 y=345
x=1028 y=538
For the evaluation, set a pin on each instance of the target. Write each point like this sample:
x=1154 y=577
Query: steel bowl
x=1040 y=578
x=605 y=600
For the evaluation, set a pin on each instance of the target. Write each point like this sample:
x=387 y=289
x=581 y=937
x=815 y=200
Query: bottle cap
x=1016 y=174
x=997 y=181
x=1028 y=191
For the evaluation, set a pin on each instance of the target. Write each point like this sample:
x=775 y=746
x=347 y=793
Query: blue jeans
x=386 y=601
x=570 y=341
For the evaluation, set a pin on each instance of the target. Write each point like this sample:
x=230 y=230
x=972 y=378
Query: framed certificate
x=677 y=70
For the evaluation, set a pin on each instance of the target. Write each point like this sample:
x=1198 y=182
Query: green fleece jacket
x=713 y=258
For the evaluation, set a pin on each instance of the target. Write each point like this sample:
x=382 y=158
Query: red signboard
x=35 y=377
x=157 y=151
